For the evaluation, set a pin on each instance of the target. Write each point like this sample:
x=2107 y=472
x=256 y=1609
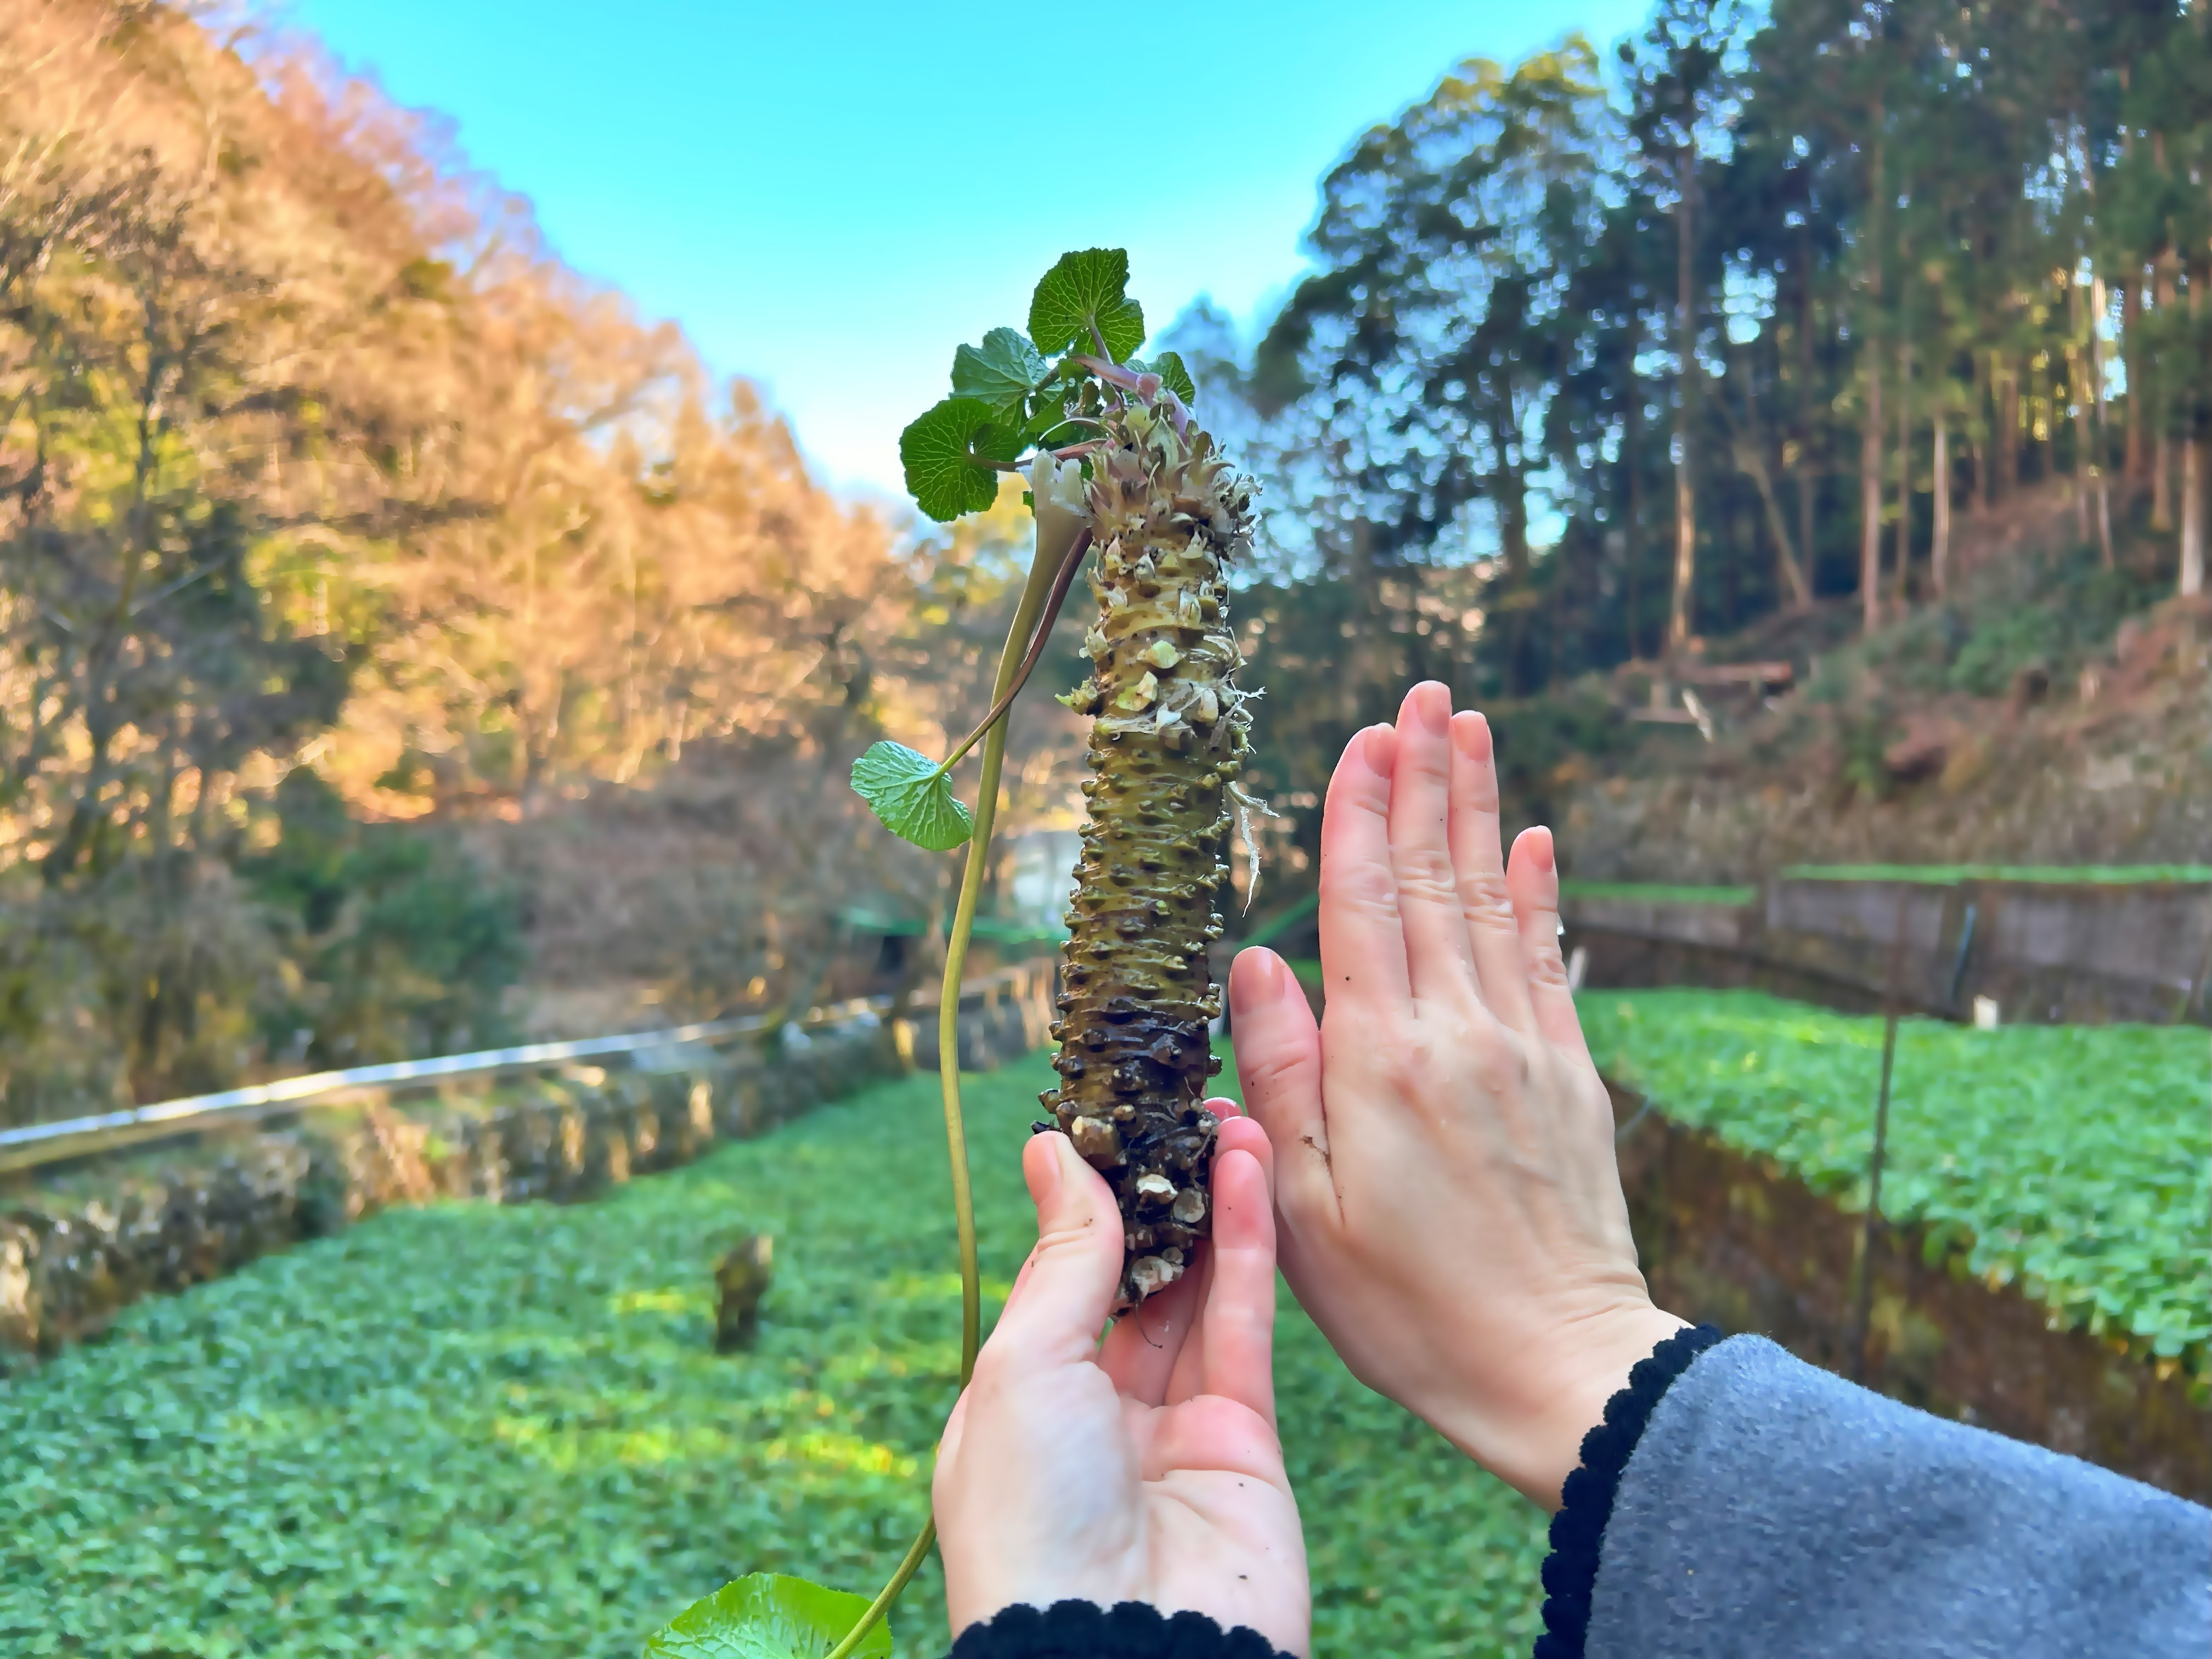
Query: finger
x=1021 y=1278
x=1241 y=1134
x=1532 y=875
x=1141 y=1352
x=955 y=1425
x=1278 y=1064
x=1439 y=962
x=1479 y=865
x=1014 y=1295
x=1244 y=1137
x=1363 y=943
x=1236 y=1336
x=1187 y=1376
x=1149 y=1353
x=1071 y=1276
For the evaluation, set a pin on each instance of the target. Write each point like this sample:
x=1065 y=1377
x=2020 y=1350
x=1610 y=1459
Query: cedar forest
x=358 y=559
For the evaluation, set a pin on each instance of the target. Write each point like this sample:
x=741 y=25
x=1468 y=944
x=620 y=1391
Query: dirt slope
x=2054 y=712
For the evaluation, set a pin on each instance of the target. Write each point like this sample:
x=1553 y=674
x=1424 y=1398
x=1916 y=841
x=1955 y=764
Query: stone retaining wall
x=2045 y=952
x=74 y=1251
x=1727 y=1237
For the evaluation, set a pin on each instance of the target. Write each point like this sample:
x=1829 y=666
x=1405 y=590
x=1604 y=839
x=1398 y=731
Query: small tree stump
x=741 y=1279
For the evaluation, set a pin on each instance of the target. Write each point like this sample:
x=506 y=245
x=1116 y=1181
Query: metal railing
x=31 y=1145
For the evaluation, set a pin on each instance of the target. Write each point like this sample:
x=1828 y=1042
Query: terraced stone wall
x=1725 y=1237
x=2045 y=952
x=81 y=1244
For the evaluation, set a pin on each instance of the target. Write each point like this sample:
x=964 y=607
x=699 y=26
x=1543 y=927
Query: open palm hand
x=1145 y=1469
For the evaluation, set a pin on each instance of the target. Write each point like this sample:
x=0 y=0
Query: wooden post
x=1862 y=1313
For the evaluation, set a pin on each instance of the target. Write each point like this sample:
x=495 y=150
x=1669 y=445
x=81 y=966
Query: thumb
x=1067 y=1287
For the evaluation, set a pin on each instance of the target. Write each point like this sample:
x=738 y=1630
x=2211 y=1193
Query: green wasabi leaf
x=913 y=800
x=1048 y=432
x=1049 y=426
x=1173 y=376
x=942 y=474
x=765 y=1615
x=1082 y=291
x=1000 y=373
x=1003 y=440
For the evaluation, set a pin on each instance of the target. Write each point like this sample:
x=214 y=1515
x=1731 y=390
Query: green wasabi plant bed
x=503 y=1431
x=1659 y=892
x=1949 y=875
x=2075 y=1162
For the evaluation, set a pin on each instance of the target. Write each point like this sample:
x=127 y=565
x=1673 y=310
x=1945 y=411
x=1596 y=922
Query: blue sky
x=828 y=197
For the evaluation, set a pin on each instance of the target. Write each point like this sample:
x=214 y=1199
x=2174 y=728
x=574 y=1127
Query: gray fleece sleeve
x=1772 y=1511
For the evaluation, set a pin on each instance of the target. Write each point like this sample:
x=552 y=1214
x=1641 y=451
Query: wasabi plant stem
x=1061 y=582
x=1045 y=581
x=1087 y=446
x=1112 y=372
x=1129 y=380
x=917 y=1553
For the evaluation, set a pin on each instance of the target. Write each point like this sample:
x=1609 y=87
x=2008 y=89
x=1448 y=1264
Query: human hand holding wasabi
x=1145 y=1468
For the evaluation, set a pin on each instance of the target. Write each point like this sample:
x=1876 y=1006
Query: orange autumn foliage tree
x=329 y=499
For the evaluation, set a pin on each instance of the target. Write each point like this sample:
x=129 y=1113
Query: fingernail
x=1062 y=1150
x=1221 y=1106
x=1069 y=1162
x=1356 y=750
x=1381 y=749
x=1431 y=700
x=1252 y=977
x=1539 y=846
x=1473 y=732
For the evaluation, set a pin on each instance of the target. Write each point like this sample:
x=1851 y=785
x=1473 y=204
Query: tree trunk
x=2193 y=515
x=1633 y=457
x=2161 y=476
x=1510 y=494
x=2005 y=439
x=1902 y=562
x=1870 y=498
x=1801 y=473
x=2077 y=380
x=2100 y=430
x=2193 y=465
x=1685 y=345
x=1749 y=444
x=1790 y=573
x=2043 y=387
x=1984 y=406
x=1939 y=545
x=2085 y=469
x=2134 y=461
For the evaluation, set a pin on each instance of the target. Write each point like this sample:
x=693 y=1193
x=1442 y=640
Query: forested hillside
x=342 y=528
x=390 y=618
x=1790 y=312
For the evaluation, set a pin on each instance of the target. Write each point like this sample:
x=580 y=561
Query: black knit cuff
x=1084 y=1630
x=1586 y=1500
